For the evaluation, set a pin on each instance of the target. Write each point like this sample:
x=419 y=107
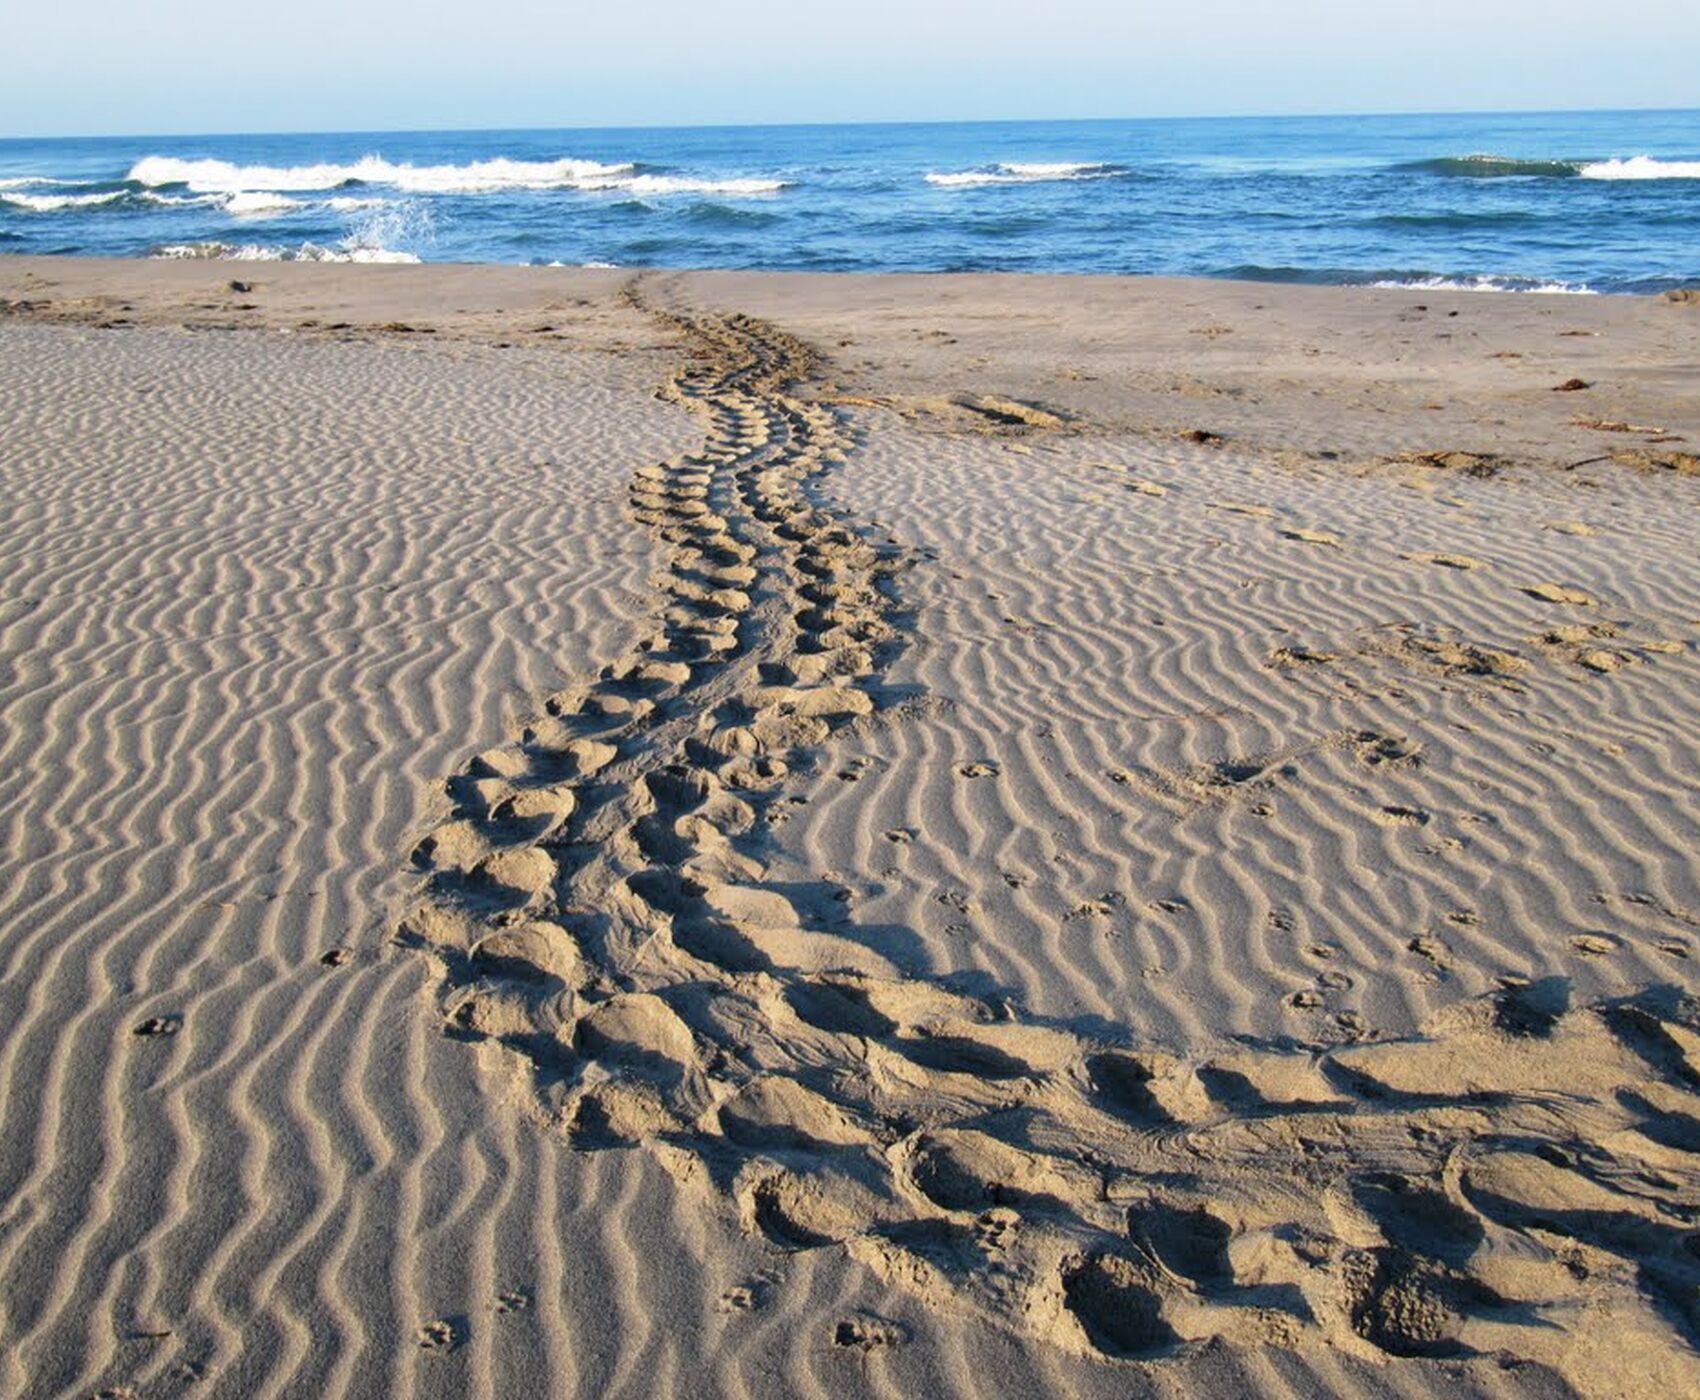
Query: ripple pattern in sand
x=241 y=577
x=605 y=905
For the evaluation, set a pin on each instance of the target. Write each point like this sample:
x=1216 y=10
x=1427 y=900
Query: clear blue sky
x=82 y=67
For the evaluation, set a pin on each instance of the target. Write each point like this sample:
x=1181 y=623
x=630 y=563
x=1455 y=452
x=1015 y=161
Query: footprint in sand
x=745 y=1297
x=1448 y=561
x=1240 y=508
x=1148 y=488
x=1289 y=658
x=1576 y=643
x=1353 y=1025
x=334 y=957
x=1577 y=634
x=1402 y=816
x=1557 y=593
x=1604 y=662
x=1374 y=749
x=1595 y=945
x=442 y=1334
x=1571 y=527
x=1322 y=537
x=158 y=1025
x=977 y=770
x=868 y=1333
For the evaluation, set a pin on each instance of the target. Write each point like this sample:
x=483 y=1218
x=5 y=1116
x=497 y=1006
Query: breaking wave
x=259 y=204
x=1486 y=167
x=678 y=184
x=1642 y=168
x=477 y=177
x=1483 y=167
x=1026 y=173
x=53 y=203
x=222 y=177
x=260 y=252
x=1403 y=280
x=1485 y=284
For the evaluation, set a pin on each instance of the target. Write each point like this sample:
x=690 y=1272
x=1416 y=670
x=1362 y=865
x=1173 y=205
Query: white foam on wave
x=177 y=200
x=1023 y=173
x=361 y=253
x=261 y=252
x=1641 y=168
x=18 y=182
x=52 y=203
x=680 y=184
x=259 y=204
x=222 y=177
x=1486 y=284
x=1052 y=170
x=479 y=177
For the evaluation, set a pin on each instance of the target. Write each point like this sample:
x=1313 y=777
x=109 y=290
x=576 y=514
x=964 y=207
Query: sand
x=727 y=833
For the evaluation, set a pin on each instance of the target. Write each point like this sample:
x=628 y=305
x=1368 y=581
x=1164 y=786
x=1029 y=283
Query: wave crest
x=641 y=185
x=1484 y=167
x=480 y=176
x=1397 y=279
x=260 y=252
x=53 y=203
x=1486 y=284
x=259 y=204
x=1026 y=173
x=1642 y=168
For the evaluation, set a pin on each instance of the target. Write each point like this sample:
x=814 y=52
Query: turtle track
x=595 y=905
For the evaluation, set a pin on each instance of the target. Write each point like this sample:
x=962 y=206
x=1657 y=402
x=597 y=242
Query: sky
x=89 y=67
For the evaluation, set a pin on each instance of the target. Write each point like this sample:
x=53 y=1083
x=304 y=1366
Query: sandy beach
x=577 y=832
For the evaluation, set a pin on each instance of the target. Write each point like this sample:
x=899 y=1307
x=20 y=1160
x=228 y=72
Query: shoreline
x=1342 y=374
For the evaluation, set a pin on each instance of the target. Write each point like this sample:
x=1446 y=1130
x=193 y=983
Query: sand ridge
x=1506 y=1182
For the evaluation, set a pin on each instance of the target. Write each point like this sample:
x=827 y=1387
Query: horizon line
x=865 y=122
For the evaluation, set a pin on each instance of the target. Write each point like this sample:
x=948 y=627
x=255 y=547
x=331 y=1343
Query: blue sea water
x=1597 y=201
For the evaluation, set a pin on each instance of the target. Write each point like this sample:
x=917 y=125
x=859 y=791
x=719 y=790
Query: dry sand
x=1000 y=835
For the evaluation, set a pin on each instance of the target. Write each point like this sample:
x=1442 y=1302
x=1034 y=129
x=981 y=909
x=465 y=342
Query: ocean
x=1581 y=201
